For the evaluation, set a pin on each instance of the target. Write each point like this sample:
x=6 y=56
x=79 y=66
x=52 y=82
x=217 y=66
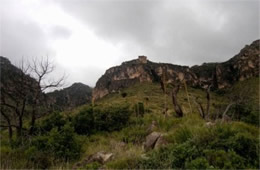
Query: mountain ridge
x=242 y=66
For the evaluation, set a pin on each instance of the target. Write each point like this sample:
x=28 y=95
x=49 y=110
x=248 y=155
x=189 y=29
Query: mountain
x=75 y=95
x=242 y=66
x=14 y=81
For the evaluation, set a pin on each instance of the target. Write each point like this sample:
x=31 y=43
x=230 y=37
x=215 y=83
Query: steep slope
x=242 y=66
x=75 y=95
x=140 y=70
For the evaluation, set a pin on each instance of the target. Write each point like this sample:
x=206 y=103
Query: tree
x=40 y=70
x=204 y=113
x=15 y=95
x=176 y=105
x=22 y=93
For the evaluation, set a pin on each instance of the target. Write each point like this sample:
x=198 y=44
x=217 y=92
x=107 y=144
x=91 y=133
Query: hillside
x=133 y=123
x=126 y=147
x=242 y=66
x=75 y=95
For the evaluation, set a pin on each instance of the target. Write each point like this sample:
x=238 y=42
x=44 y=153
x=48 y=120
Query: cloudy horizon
x=86 y=37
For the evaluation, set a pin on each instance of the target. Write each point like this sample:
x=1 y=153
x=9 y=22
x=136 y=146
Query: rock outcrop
x=138 y=71
x=242 y=66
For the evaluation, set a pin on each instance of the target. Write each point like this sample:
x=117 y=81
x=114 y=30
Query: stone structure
x=142 y=59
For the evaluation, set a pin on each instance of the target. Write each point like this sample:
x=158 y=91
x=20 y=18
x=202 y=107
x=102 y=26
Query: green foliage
x=125 y=163
x=198 y=163
x=84 y=121
x=222 y=146
x=93 y=165
x=139 y=109
x=61 y=144
x=133 y=134
x=54 y=120
x=91 y=120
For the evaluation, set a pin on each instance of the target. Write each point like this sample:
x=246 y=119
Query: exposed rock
x=151 y=140
x=138 y=71
x=100 y=157
x=210 y=124
x=152 y=127
x=160 y=142
x=241 y=67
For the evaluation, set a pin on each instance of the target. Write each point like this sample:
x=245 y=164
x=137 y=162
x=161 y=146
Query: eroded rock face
x=242 y=66
x=138 y=71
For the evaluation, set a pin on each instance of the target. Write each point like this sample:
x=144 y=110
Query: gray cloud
x=176 y=31
x=187 y=32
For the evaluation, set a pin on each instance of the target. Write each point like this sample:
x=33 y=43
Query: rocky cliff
x=242 y=66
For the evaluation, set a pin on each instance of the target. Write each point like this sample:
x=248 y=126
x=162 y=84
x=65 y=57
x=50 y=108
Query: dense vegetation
x=118 y=123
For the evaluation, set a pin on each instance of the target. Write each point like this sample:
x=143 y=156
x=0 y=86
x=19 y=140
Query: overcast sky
x=84 y=38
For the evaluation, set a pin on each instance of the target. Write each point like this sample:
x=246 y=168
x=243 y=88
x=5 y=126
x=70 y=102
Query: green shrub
x=63 y=143
x=95 y=119
x=183 y=134
x=93 y=165
x=133 y=134
x=60 y=144
x=223 y=146
x=198 y=163
x=84 y=122
x=54 y=120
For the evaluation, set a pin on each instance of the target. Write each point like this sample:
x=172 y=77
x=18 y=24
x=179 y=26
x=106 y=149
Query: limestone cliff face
x=242 y=66
x=138 y=71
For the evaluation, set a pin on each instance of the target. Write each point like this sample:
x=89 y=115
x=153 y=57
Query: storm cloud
x=85 y=37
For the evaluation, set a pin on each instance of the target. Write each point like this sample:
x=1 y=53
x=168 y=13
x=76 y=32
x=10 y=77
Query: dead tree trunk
x=176 y=105
x=208 y=102
x=202 y=112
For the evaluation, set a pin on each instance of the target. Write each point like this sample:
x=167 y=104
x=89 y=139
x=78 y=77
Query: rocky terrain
x=242 y=66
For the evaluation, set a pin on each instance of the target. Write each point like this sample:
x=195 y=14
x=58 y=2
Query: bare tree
x=176 y=105
x=164 y=89
x=204 y=113
x=22 y=93
x=40 y=70
x=15 y=94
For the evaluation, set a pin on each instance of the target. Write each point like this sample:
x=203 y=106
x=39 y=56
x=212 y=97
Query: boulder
x=152 y=127
x=160 y=142
x=151 y=140
x=100 y=157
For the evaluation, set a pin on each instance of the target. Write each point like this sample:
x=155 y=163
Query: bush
x=60 y=144
x=54 y=120
x=135 y=135
x=225 y=146
x=109 y=119
x=198 y=163
x=84 y=122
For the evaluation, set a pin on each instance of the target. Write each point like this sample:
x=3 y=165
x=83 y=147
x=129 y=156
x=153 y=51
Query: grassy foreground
x=69 y=137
